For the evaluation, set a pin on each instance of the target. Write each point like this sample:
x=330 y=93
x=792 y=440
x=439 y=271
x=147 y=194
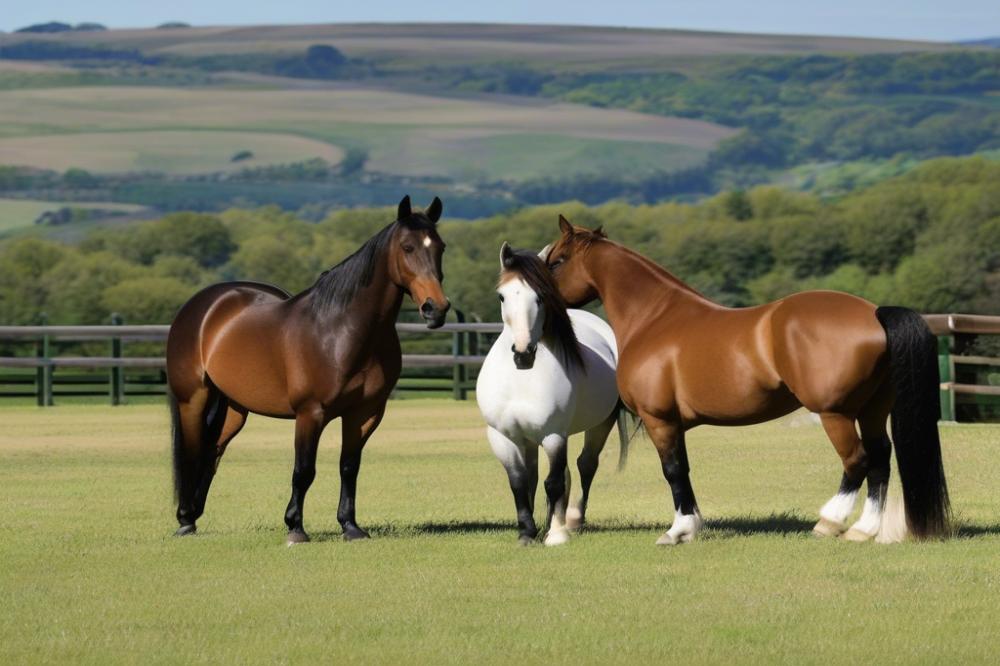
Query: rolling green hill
x=493 y=116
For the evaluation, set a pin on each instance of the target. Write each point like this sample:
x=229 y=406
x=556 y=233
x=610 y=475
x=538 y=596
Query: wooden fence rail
x=950 y=329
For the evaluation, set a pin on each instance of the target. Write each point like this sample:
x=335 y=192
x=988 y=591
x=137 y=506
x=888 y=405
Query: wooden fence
x=465 y=346
x=970 y=383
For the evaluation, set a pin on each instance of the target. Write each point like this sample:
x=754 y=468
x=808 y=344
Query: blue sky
x=912 y=19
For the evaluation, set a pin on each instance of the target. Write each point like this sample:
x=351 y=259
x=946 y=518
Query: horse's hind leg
x=194 y=418
x=593 y=443
x=235 y=418
x=841 y=430
x=878 y=449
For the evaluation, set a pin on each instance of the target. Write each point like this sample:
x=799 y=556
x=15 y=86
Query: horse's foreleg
x=842 y=432
x=593 y=443
x=557 y=485
x=309 y=425
x=517 y=463
x=357 y=428
x=668 y=438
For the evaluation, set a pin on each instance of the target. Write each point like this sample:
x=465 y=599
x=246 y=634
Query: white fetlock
x=684 y=529
x=557 y=537
x=574 y=518
x=867 y=525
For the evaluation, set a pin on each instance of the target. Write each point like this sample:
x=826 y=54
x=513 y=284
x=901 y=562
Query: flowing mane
x=336 y=288
x=557 y=329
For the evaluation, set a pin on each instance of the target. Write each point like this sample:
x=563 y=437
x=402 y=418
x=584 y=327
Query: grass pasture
x=20 y=213
x=191 y=130
x=91 y=574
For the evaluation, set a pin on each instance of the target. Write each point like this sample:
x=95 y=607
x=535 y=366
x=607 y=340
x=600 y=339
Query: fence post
x=947 y=371
x=117 y=372
x=44 y=376
x=459 y=372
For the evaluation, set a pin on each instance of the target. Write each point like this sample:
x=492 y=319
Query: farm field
x=121 y=128
x=419 y=44
x=90 y=572
x=18 y=213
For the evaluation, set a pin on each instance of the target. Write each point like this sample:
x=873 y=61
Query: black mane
x=558 y=328
x=336 y=288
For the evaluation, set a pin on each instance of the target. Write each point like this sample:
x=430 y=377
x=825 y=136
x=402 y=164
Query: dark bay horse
x=330 y=351
x=684 y=360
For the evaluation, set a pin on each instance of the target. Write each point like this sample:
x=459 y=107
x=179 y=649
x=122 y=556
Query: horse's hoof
x=854 y=534
x=185 y=530
x=556 y=537
x=574 y=519
x=667 y=539
x=828 y=528
x=355 y=533
x=525 y=540
x=297 y=536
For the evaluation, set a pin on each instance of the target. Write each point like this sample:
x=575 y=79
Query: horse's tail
x=625 y=418
x=177 y=440
x=913 y=368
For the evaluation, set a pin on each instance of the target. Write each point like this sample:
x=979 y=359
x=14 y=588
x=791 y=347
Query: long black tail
x=213 y=419
x=627 y=420
x=915 y=413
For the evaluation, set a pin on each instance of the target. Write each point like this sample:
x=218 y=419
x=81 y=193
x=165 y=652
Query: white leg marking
x=839 y=507
x=894 y=528
x=684 y=529
x=574 y=517
x=868 y=524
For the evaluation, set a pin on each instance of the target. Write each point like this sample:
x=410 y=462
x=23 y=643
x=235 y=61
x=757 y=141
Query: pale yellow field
x=182 y=152
x=198 y=129
x=558 y=44
x=16 y=213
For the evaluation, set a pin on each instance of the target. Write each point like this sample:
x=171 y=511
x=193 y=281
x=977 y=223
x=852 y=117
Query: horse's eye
x=408 y=249
x=538 y=300
x=557 y=262
x=501 y=297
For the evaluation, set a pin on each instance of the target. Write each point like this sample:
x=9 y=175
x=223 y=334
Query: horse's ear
x=506 y=255
x=434 y=210
x=599 y=231
x=565 y=226
x=404 y=211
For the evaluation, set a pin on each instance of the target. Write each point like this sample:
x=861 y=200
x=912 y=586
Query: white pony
x=549 y=375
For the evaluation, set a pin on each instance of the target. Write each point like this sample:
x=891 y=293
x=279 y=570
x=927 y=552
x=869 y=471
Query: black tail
x=915 y=413
x=625 y=418
x=213 y=419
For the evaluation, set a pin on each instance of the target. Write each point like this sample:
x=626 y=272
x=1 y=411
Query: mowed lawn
x=91 y=574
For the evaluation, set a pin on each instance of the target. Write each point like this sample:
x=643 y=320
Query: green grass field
x=90 y=573
x=18 y=213
x=197 y=130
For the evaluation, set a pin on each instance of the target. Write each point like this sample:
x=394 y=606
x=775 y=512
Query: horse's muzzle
x=434 y=315
x=525 y=360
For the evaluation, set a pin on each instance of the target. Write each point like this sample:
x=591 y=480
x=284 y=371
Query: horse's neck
x=635 y=290
x=375 y=305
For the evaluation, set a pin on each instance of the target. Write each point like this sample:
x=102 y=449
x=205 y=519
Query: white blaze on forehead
x=520 y=312
x=427 y=241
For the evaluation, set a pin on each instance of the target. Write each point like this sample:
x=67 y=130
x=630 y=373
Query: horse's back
x=595 y=333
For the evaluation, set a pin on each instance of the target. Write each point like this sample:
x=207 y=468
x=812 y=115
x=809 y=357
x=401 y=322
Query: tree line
x=929 y=239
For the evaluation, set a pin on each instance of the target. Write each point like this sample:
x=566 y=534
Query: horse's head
x=415 y=260
x=531 y=308
x=564 y=258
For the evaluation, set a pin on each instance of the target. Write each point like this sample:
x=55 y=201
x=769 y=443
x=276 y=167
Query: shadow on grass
x=783 y=523
x=715 y=528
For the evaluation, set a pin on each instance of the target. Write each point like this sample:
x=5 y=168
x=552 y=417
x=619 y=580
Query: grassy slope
x=405 y=133
x=89 y=572
x=17 y=213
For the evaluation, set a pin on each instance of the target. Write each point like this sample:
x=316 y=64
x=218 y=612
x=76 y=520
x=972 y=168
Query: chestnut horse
x=330 y=351
x=684 y=360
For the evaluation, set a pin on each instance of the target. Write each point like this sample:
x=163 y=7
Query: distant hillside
x=491 y=116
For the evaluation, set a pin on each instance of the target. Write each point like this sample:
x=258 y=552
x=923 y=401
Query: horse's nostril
x=513 y=349
x=427 y=307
